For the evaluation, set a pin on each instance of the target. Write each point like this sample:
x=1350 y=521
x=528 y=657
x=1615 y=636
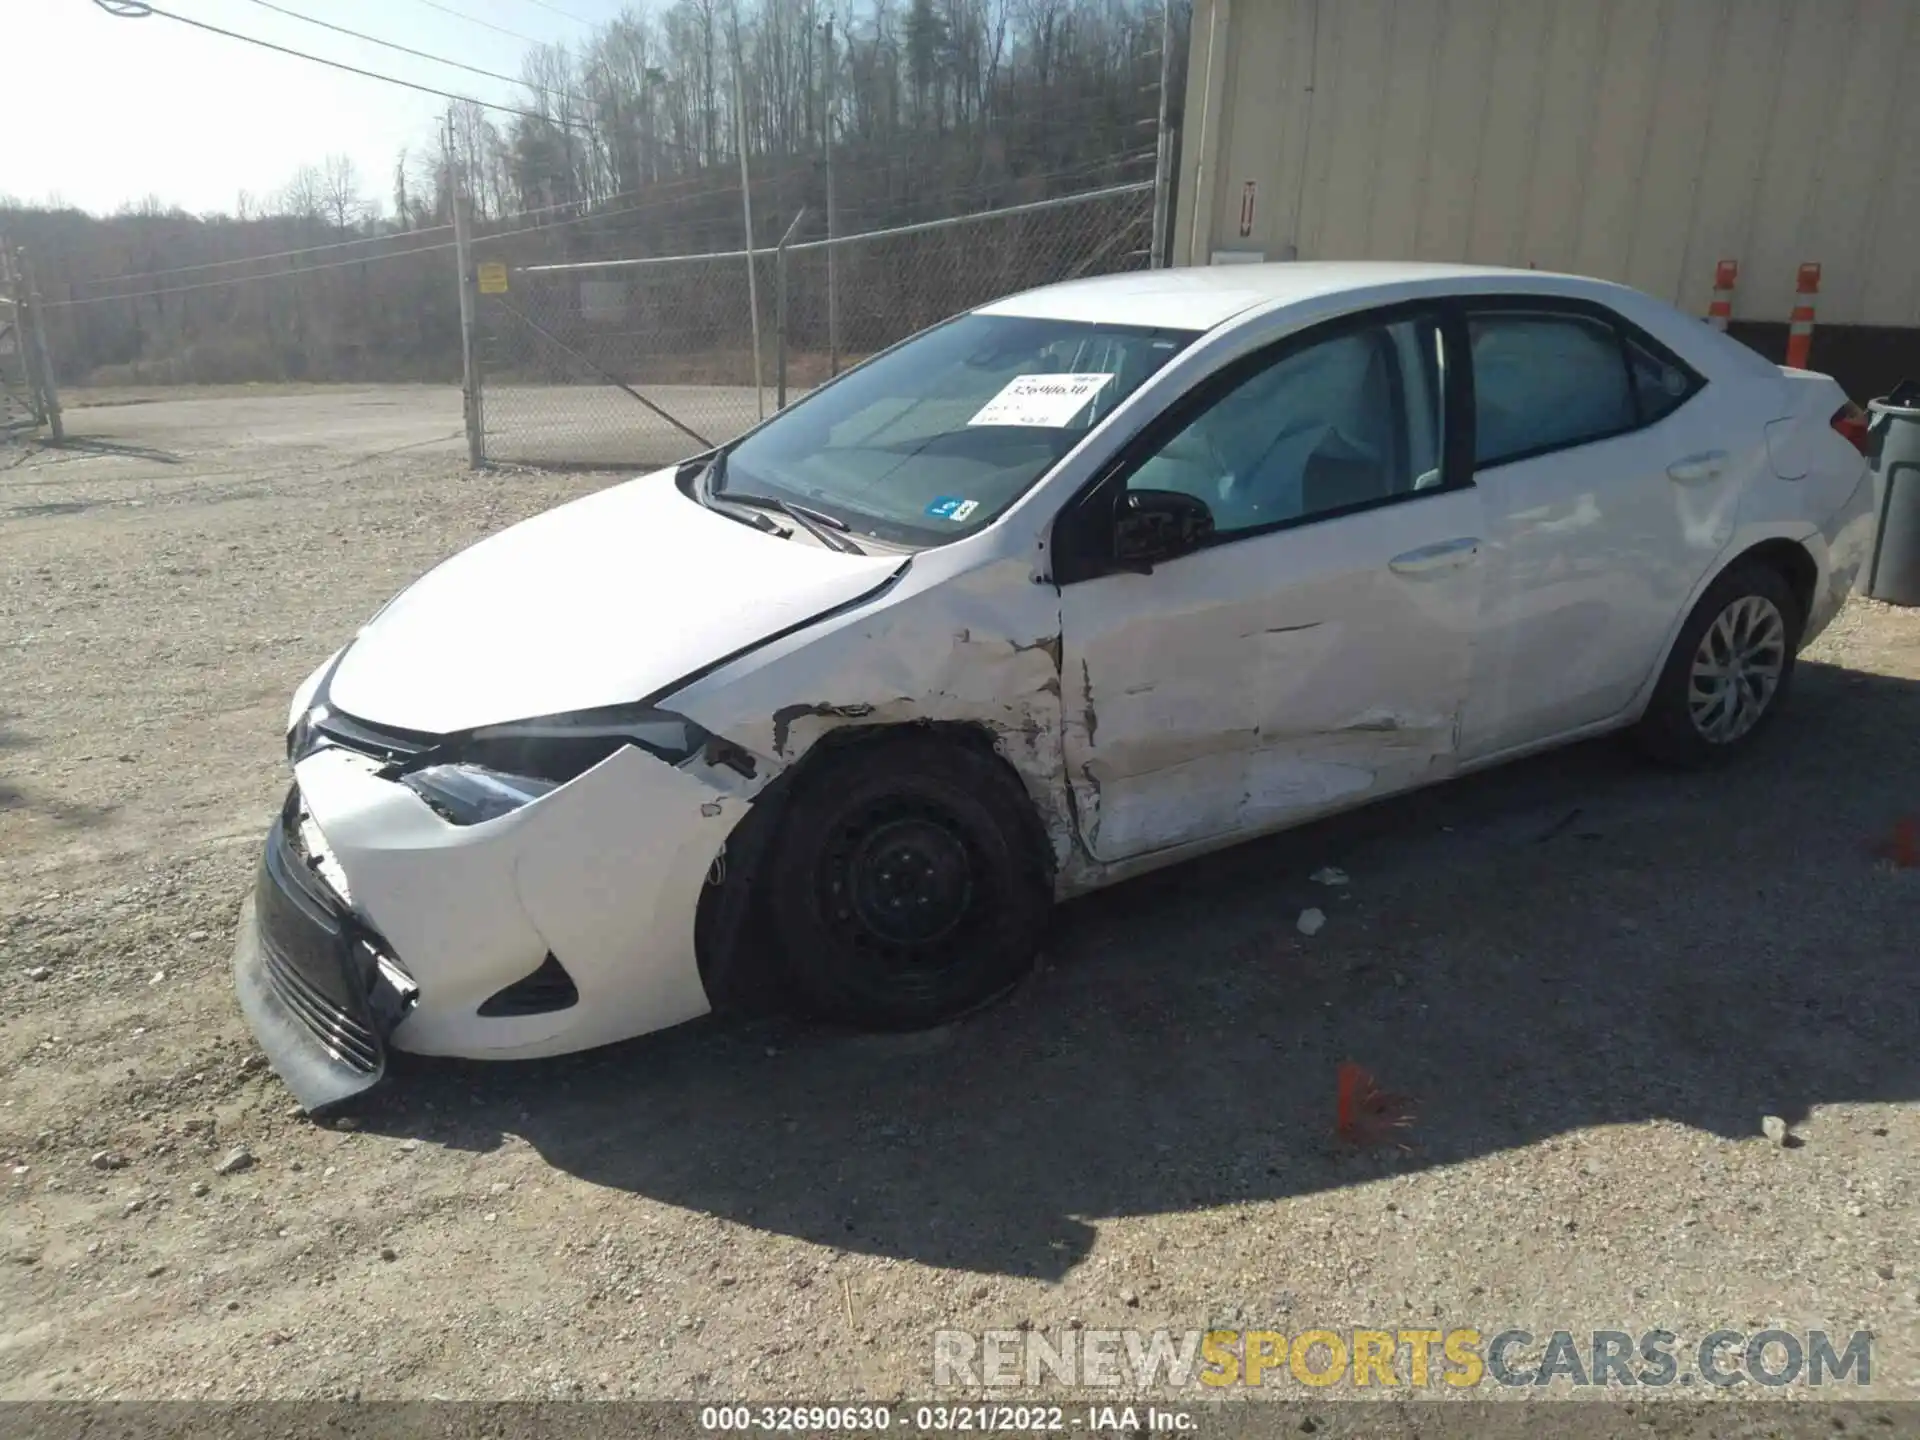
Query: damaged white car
x=1079 y=584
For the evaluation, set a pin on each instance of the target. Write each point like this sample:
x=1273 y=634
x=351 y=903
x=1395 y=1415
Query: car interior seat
x=1339 y=474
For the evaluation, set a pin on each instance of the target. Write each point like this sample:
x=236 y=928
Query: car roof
x=1202 y=297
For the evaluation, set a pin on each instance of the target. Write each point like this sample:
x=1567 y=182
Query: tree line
x=628 y=144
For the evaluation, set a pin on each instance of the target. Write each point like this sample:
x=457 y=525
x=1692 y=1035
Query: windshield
x=933 y=439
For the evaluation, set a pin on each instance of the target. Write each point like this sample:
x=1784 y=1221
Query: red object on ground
x=1903 y=848
x=1364 y=1113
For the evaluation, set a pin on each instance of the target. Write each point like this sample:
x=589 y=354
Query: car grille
x=342 y=1036
x=314 y=959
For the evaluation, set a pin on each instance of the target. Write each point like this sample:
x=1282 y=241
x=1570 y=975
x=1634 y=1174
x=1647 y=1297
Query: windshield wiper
x=816 y=523
x=704 y=486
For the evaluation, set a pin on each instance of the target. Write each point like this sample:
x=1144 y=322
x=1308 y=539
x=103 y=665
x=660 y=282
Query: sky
x=109 y=111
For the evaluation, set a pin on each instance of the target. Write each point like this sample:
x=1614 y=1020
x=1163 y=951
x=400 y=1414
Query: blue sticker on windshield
x=946 y=507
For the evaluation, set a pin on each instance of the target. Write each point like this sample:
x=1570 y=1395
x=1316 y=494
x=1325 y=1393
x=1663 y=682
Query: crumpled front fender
x=603 y=873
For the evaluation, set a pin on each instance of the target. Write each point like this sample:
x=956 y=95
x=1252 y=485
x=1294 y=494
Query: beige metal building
x=1638 y=140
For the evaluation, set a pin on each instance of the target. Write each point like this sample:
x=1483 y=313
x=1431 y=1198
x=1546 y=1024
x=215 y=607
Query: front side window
x=1544 y=382
x=1346 y=421
x=934 y=439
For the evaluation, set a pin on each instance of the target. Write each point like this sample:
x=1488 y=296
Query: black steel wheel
x=910 y=883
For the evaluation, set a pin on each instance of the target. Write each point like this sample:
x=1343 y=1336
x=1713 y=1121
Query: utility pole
x=463 y=262
x=1163 y=146
x=826 y=145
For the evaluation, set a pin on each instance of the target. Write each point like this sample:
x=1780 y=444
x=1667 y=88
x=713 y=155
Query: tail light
x=1851 y=421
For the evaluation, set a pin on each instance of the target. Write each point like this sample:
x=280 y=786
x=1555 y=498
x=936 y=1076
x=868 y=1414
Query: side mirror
x=1157 y=525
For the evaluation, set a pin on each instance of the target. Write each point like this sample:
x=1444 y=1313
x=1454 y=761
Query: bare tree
x=402 y=202
x=304 y=195
x=938 y=106
x=340 y=192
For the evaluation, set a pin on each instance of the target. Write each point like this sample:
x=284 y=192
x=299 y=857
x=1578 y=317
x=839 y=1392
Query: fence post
x=746 y=208
x=470 y=397
x=463 y=263
x=1163 y=146
x=780 y=311
x=13 y=294
x=34 y=341
x=826 y=146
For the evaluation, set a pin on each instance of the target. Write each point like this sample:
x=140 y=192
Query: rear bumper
x=314 y=984
x=1849 y=544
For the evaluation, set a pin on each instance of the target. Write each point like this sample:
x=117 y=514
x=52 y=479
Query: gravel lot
x=1594 y=978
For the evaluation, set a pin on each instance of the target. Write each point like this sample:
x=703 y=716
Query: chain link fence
x=28 y=398
x=19 y=409
x=643 y=360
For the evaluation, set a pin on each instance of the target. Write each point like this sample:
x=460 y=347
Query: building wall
x=1638 y=140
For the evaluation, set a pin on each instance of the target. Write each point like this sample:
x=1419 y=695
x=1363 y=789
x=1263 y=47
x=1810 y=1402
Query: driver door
x=1313 y=650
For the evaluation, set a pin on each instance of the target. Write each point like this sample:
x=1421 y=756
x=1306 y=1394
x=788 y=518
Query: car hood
x=603 y=601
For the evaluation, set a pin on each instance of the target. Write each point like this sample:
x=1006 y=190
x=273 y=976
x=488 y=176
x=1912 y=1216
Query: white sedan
x=1079 y=584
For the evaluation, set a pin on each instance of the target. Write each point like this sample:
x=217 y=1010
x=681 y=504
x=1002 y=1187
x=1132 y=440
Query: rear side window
x=1544 y=382
x=1661 y=384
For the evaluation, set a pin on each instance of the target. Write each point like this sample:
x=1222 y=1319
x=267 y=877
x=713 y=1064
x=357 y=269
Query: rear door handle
x=1695 y=468
x=1432 y=559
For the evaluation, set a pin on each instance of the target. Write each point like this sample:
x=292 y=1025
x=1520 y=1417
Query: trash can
x=1893 y=441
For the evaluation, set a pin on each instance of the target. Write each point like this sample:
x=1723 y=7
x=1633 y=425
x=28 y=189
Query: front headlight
x=495 y=770
x=300 y=735
x=559 y=747
x=310 y=707
x=469 y=794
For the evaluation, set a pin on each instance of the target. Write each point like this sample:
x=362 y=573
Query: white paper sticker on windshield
x=1046 y=400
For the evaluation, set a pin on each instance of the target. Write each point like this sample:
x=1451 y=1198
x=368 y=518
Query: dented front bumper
x=377 y=924
x=316 y=985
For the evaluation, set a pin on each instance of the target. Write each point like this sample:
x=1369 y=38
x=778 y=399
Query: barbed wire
x=402 y=235
x=389 y=255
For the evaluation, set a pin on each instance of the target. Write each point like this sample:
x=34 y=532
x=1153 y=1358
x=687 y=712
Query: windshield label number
x=1050 y=401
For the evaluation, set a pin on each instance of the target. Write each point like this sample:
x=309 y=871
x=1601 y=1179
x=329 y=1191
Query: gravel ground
x=1595 y=979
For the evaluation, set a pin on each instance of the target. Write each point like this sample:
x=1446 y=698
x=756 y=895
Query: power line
x=139 y=9
x=476 y=20
x=403 y=49
x=567 y=14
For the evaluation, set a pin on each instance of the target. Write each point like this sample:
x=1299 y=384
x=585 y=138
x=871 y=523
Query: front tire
x=909 y=883
x=1729 y=672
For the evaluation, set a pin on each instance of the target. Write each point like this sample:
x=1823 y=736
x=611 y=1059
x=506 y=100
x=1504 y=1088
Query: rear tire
x=909 y=883
x=1729 y=672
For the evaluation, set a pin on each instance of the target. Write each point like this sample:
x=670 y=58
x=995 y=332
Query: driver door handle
x=1435 y=559
x=1695 y=468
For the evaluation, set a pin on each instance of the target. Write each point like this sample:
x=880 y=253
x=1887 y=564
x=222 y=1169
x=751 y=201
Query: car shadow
x=1571 y=941
x=14 y=796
